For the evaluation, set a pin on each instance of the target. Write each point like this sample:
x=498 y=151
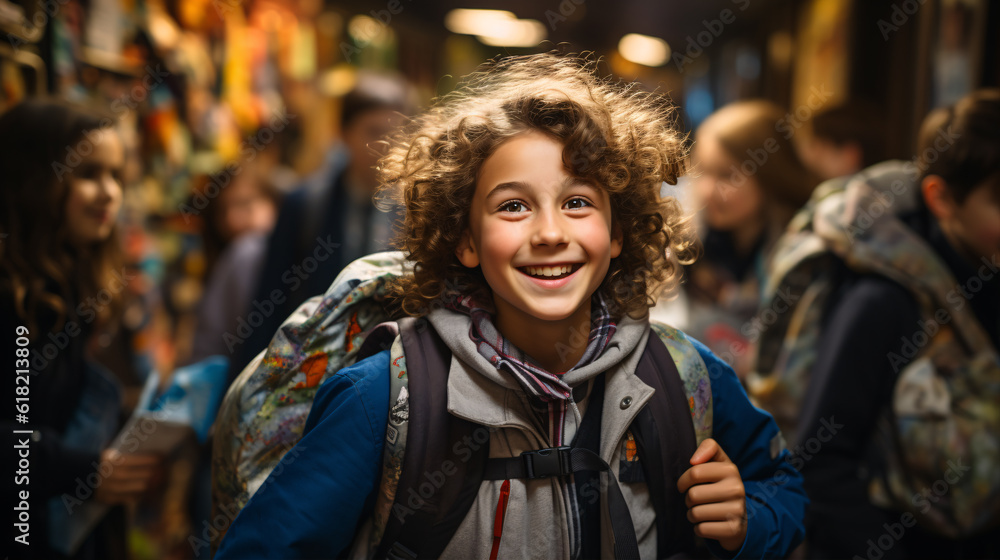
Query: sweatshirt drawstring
x=498 y=520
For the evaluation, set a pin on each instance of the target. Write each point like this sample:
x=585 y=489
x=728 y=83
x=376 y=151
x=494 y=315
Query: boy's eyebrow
x=516 y=186
x=521 y=186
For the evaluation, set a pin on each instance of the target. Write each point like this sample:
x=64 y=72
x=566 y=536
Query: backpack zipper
x=498 y=520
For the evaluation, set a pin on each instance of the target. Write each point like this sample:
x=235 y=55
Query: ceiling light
x=475 y=22
x=643 y=49
x=514 y=33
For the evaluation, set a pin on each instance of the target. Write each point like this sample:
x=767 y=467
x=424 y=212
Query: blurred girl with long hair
x=61 y=278
x=749 y=183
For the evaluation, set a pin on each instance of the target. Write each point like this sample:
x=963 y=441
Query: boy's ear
x=938 y=197
x=616 y=240
x=466 y=251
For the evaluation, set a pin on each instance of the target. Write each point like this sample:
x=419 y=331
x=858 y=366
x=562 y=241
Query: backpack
x=264 y=411
x=941 y=433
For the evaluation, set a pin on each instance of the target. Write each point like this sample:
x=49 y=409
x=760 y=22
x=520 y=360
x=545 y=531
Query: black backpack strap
x=665 y=440
x=380 y=338
x=588 y=436
x=440 y=479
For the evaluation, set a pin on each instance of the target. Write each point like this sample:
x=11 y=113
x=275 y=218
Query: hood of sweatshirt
x=453 y=327
x=479 y=392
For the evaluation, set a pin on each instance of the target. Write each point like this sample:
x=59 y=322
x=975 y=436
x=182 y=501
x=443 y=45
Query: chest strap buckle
x=544 y=463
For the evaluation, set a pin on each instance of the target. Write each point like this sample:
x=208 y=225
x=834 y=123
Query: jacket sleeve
x=313 y=501
x=776 y=500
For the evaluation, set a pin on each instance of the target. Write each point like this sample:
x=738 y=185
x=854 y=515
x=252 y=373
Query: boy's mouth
x=550 y=272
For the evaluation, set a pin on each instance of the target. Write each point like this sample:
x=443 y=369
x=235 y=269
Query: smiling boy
x=538 y=239
x=544 y=241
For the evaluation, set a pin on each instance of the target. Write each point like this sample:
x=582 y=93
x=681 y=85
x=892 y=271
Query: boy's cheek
x=987 y=239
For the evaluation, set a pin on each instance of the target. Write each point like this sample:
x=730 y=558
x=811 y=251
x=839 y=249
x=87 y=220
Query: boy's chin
x=553 y=314
x=544 y=314
x=550 y=317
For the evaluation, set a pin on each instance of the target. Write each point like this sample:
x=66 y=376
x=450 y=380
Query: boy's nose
x=550 y=230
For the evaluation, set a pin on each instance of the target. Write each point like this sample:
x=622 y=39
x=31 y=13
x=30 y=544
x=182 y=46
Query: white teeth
x=549 y=270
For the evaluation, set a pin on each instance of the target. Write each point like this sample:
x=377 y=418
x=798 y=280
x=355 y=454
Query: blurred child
x=886 y=369
x=330 y=219
x=61 y=278
x=845 y=139
x=749 y=183
x=539 y=238
x=235 y=234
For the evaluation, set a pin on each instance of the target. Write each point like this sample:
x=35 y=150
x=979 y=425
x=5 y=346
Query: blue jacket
x=324 y=489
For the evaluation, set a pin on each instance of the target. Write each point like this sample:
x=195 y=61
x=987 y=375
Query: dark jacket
x=55 y=466
x=866 y=322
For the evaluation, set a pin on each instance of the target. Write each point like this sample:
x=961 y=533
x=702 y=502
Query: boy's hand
x=716 y=499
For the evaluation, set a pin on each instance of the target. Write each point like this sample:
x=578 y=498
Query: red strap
x=498 y=520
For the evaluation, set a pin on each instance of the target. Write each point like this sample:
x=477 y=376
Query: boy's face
x=360 y=138
x=974 y=225
x=828 y=159
x=542 y=237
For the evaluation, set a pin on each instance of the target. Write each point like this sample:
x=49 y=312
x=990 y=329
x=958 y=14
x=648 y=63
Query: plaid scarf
x=535 y=380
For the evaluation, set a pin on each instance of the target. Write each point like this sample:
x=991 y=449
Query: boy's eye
x=577 y=203
x=513 y=206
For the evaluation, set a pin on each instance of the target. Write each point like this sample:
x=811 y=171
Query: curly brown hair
x=615 y=136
